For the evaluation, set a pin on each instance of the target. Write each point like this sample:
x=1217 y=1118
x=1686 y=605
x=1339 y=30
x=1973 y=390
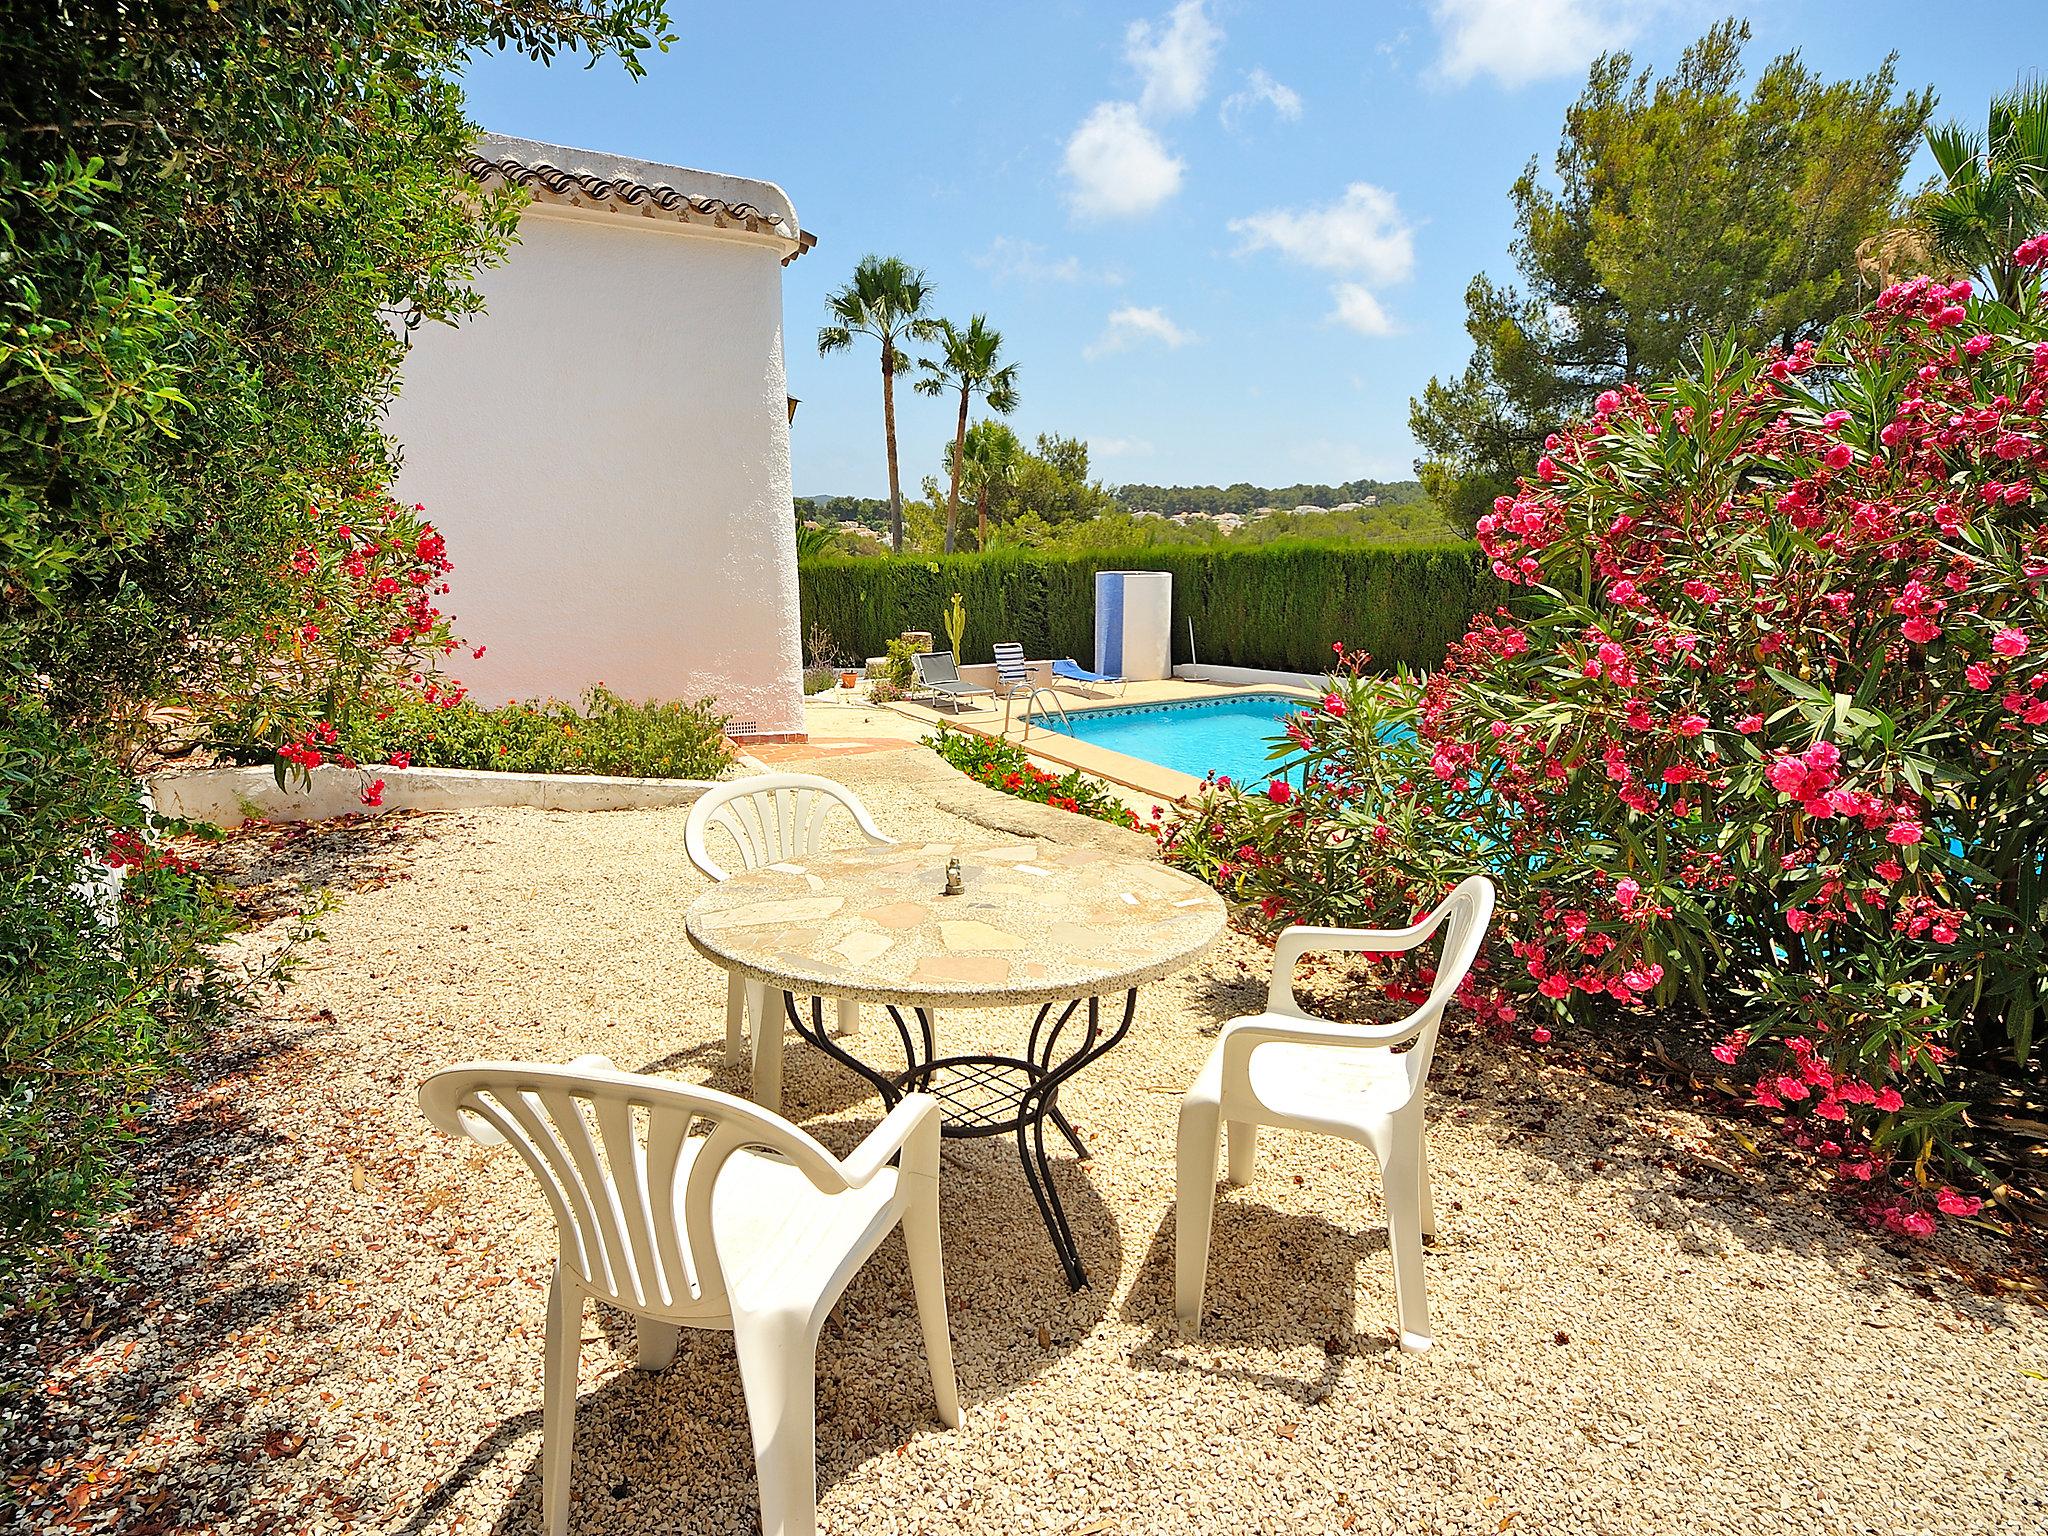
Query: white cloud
x=1173 y=57
x=1517 y=41
x=1118 y=165
x=1117 y=162
x=1363 y=233
x=1119 y=447
x=1261 y=87
x=1363 y=236
x=1026 y=261
x=1357 y=308
x=1131 y=325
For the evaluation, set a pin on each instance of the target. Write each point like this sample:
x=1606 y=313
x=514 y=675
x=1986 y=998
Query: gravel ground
x=333 y=1314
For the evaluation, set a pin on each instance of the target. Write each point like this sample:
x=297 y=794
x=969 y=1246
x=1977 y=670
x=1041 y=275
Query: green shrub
x=608 y=735
x=1006 y=767
x=99 y=991
x=819 y=679
x=900 y=670
x=1281 y=606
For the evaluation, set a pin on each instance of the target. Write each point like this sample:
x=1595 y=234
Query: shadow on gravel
x=104 y=1365
x=1275 y=1281
x=1578 y=1130
x=274 y=869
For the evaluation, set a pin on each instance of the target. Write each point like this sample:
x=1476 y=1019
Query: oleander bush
x=608 y=735
x=1279 y=606
x=1004 y=766
x=1763 y=733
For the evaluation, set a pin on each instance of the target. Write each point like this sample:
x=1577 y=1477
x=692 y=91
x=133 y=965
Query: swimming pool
x=1191 y=736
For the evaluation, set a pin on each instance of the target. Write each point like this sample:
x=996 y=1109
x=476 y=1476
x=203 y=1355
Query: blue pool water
x=1194 y=736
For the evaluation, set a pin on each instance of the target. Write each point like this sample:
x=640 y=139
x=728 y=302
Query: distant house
x=607 y=446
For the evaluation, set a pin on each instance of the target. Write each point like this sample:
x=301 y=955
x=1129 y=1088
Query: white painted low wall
x=227 y=797
x=1249 y=675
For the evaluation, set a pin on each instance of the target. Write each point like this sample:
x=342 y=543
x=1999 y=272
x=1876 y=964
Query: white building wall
x=606 y=449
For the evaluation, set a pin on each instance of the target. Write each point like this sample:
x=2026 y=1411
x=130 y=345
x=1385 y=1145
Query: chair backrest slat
x=1010 y=663
x=770 y=818
x=1462 y=916
x=607 y=1148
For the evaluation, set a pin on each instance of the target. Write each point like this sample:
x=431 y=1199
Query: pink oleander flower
x=1952 y=1204
x=1607 y=404
x=1841 y=456
x=1920 y=630
x=1279 y=791
x=1903 y=833
x=2009 y=642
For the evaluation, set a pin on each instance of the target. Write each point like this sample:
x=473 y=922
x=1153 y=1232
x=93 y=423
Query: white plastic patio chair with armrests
x=1286 y=1068
x=769 y=818
x=690 y=1208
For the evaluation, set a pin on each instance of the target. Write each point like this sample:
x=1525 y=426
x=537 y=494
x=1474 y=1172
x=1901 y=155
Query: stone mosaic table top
x=1037 y=922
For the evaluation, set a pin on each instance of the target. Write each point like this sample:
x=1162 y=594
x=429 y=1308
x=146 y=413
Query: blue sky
x=1224 y=241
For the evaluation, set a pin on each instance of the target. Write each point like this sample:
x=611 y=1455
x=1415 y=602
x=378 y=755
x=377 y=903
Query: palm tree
x=967 y=362
x=1994 y=191
x=992 y=451
x=885 y=300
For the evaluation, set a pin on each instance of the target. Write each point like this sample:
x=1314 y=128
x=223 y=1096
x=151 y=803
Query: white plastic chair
x=690 y=1208
x=1286 y=1068
x=770 y=817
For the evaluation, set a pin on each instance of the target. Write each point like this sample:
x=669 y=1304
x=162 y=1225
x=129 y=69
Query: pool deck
x=838 y=725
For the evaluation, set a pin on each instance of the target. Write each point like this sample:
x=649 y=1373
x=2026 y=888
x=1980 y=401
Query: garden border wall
x=227 y=797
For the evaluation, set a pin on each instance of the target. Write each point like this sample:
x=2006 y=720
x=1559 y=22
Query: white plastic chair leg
x=928 y=1280
x=849 y=1017
x=778 y=1365
x=657 y=1343
x=735 y=1018
x=1243 y=1136
x=1195 y=1158
x=1401 y=1170
x=767 y=1009
x=561 y=1351
x=1428 y=1196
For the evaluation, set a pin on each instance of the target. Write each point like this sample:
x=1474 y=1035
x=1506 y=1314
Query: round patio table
x=1039 y=925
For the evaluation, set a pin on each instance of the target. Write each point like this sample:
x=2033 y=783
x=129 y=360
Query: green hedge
x=1280 y=605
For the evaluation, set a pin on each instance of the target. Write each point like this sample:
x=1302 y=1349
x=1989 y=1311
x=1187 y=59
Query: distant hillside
x=868 y=511
x=1243 y=499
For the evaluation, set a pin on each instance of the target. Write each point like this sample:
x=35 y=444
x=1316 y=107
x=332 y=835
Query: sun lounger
x=938 y=677
x=1067 y=670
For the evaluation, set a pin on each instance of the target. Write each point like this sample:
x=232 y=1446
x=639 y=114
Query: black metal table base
x=986 y=1095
